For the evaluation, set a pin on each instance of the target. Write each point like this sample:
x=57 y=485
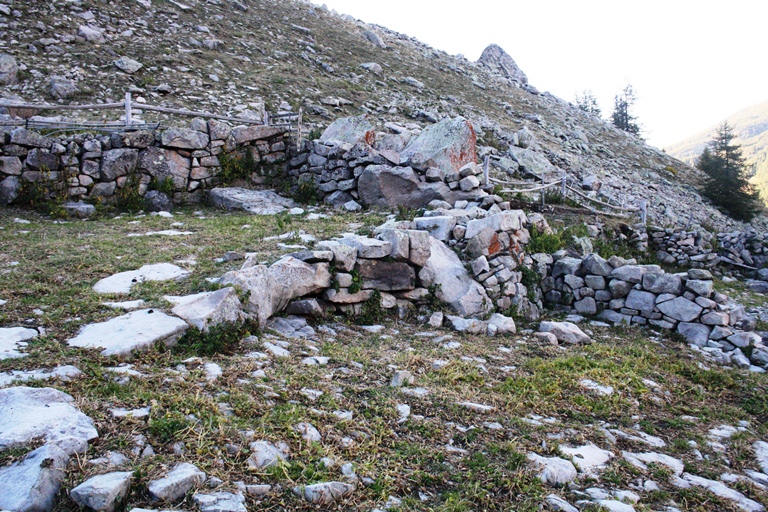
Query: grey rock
x=102 y=492
x=386 y=275
x=308 y=432
x=31 y=413
x=702 y=288
x=207 y=309
x=697 y=334
x=79 y=209
x=266 y=455
x=375 y=39
x=388 y=187
x=662 y=283
x=438 y=226
x=135 y=331
x=128 y=65
x=32 y=484
x=640 y=300
x=156 y=201
x=629 y=273
x=715 y=318
x=401 y=378
x=27 y=138
x=495 y=59
x=508 y=220
x=566 y=266
x=257 y=202
x=350 y=130
x=565 y=332
x=533 y=163
x=585 y=306
x=553 y=471
x=118 y=162
x=449 y=145
x=745 y=339
x=596 y=265
x=8 y=69
x=344 y=255
x=699 y=274
x=220 y=502
x=176 y=483
x=504 y=324
x=325 y=493
x=62 y=88
x=369 y=248
x=10 y=165
x=12 y=339
x=91 y=34
x=681 y=309
x=41 y=160
x=272 y=288
x=453 y=284
x=10 y=188
x=184 y=139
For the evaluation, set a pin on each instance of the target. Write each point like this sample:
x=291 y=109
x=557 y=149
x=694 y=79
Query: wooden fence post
x=562 y=186
x=485 y=169
x=128 y=119
x=643 y=212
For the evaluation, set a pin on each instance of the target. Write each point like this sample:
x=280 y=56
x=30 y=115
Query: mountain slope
x=234 y=56
x=751 y=128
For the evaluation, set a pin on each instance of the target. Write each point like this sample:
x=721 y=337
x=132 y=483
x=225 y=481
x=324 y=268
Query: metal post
x=128 y=119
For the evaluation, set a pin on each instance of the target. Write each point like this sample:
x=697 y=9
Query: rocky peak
x=499 y=62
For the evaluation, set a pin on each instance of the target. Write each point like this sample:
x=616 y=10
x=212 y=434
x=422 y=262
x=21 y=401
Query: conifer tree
x=621 y=117
x=587 y=102
x=727 y=180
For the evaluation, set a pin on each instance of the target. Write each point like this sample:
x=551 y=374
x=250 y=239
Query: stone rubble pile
x=352 y=164
x=96 y=167
x=748 y=247
x=684 y=248
x=622 y=292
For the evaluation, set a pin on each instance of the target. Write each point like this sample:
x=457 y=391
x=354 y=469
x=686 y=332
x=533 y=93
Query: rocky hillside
x=241 y=57
x=751 y=128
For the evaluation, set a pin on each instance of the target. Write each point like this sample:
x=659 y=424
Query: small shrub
x=405 y=213
x=219 y=339
x=543 y=242
x=164 y=185
x=306 y=192
x=357 y=282
x=314 y=133
x=372 y=312
x=128 y=198
x=236 y=166
x=168 y=427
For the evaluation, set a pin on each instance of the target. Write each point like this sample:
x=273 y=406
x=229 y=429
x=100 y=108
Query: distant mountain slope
x=751 y=128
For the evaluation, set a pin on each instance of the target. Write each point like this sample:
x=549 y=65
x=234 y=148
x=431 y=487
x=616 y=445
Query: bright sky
x=691 y=63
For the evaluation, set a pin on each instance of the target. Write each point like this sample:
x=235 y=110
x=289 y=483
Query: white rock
x=596 y=387
x=553 y=470
x=640 y=461
x=32 y=484
x=565 y=332
x=325 y=493
x=312 y=394
x=641 y=437
x=127 y=305
x=206 y=309
x=558 y=504
x=403 y=411
x=122 y=282
x=615 y=506
x=14 y=338
x=401 y=378
x=142 y=412
x=30 y=413
x=176 y=483
x=275 y=350
x=134 y=331
x=315 y=361
x=761 y=454
x=220 y=502
x=484 y=409
x=308 y=432
x=212 y=371
x=266 y=455
x=64 y=373
x=723 y=491
x=102 y=492
x=589 y=459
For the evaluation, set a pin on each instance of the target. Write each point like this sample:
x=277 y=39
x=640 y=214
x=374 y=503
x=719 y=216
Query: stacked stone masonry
x=621 y=292
x=88 y=166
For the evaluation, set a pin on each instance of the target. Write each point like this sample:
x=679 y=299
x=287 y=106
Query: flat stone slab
x=176 y=483
x=30 y=413
x=220 y=502
x=553 y=470
x=60 y=372
x=134 y=331
x=102 y=492
x=589 y=459
x=124 y=281
x=14 y=338
x=257 y=202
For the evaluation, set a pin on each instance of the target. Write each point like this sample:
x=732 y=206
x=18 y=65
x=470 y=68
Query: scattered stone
x=102 y=492
x=401 y=378
x=266 y=455
x=565 y=332
x=31 y=413
x=128 y=65
x=483 y=409
x=325 y=493
x=124 y=281
x=32 y=484
x=14 y=338
x=553 y=470
x=220 y=502
x=257 y=202
x=723 y=491
x=135 y=331
x=176 y=483
x=207 y=309
x=589 y=459
x=64 y=373
x=640 y=461
x=596 y=387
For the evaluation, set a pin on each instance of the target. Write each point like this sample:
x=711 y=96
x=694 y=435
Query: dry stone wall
x=88 y=166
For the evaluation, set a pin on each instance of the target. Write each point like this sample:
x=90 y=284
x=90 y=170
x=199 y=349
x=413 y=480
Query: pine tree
x=727 y=181
x=587 y=102
x=621 y=117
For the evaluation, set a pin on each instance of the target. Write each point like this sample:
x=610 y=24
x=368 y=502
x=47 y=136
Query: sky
x=690 y=63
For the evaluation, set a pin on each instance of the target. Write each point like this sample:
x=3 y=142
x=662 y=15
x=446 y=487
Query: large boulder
x=43 y=413
x=163 y=163
x=350 y=130
x=176 y=483
x=118 y=162
x=32 y=484
x=184 y=139
x=681 y=309
x=10 y=188
x=495 y=59
x=449 y=145
x=534 y=163
x=453 y=284
x=207 y=309
x=102 y=492
x=565 y=332
x=272 y=288
x=257 y=202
